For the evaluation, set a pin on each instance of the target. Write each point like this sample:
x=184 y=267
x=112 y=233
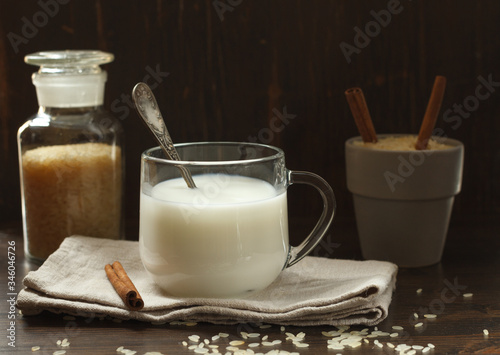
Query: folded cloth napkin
x=315 y=291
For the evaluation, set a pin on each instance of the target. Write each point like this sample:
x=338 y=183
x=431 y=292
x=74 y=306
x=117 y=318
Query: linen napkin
x=315 y=291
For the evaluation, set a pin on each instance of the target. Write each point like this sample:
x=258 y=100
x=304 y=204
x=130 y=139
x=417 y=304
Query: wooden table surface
x=471 y=264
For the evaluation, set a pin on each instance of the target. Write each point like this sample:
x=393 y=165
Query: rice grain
x=194 y=338
x=236 y=342
x=301 y=345
x=336 y=346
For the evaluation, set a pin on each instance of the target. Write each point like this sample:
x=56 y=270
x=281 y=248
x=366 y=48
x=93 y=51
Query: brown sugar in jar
x=71 y=189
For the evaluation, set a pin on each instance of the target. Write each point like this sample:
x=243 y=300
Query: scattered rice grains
x=340 y=338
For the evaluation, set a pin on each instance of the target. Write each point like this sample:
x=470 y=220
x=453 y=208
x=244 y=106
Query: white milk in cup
x=228 y=237
x=204 y=231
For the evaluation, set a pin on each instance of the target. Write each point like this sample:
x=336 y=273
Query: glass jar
x=70 y=154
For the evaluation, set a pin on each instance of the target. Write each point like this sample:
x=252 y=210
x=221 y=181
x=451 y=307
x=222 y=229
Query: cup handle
x=325 y=220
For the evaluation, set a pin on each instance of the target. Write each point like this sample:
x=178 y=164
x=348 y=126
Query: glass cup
x=228 y=237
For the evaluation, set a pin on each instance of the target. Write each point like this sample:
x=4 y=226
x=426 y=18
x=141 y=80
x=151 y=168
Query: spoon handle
x=148 y=109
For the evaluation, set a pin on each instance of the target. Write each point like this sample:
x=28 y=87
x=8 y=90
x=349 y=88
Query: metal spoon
x=148 y=109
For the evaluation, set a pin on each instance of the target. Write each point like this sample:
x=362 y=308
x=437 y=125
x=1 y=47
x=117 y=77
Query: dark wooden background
x=229 y=72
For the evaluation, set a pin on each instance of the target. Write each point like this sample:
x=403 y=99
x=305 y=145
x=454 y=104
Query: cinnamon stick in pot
x=359 y=109
x=431 y=113
x=124 y=286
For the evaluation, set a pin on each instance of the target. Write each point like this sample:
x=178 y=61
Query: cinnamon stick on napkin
x=315 y=291
x=124 y=286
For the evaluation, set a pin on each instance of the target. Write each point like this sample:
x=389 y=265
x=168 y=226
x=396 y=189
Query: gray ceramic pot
x=403 y=200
